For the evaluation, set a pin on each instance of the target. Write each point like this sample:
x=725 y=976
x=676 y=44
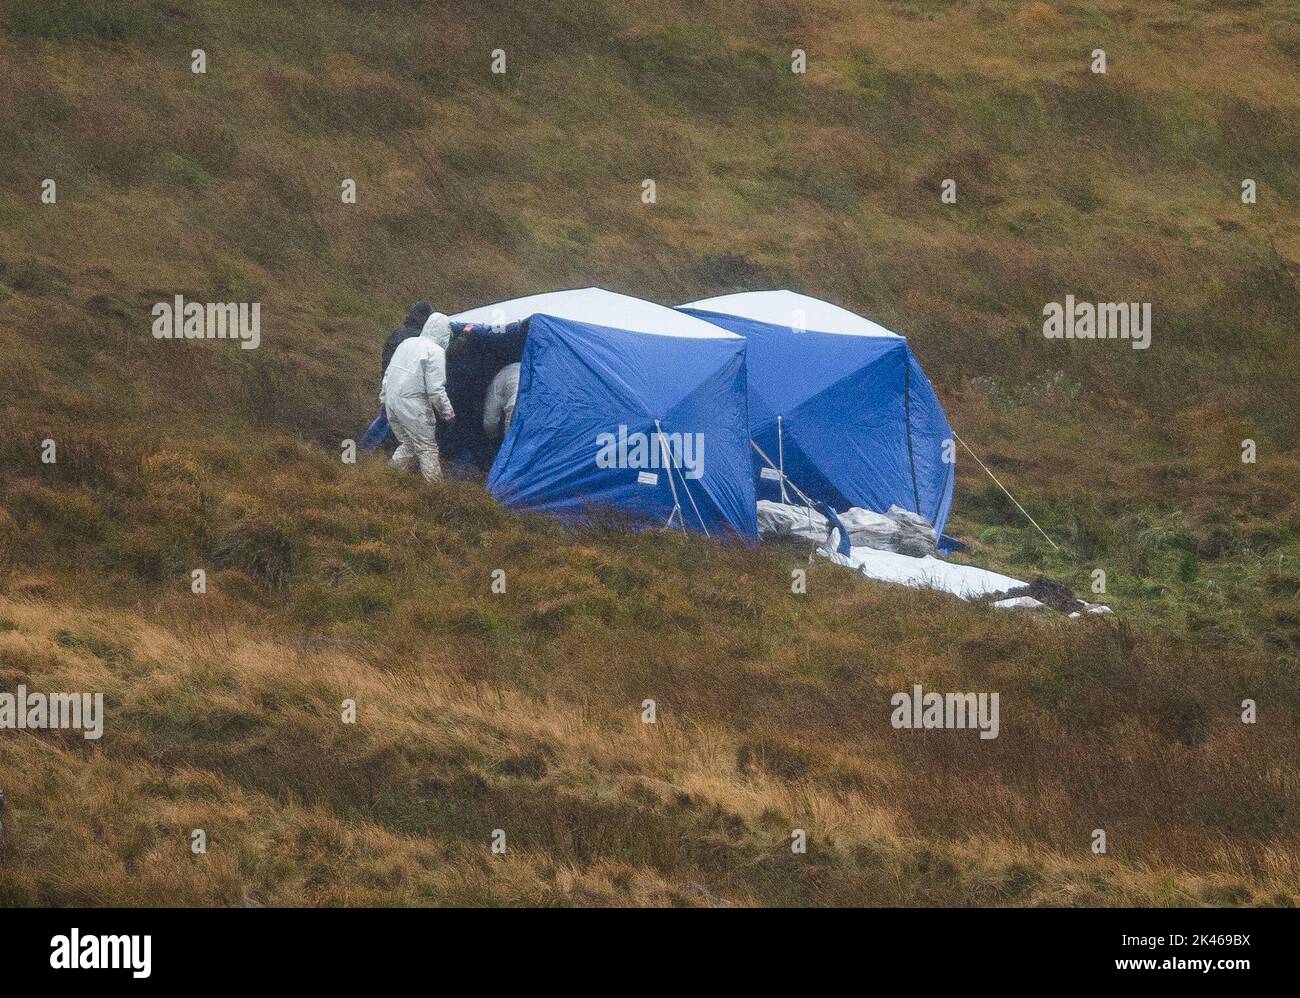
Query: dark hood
x=420 y=311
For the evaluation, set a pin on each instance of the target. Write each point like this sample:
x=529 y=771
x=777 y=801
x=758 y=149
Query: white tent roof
x=786 y=308
x=599 y=308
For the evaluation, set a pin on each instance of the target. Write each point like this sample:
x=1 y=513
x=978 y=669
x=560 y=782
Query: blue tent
x=839 y=404
x=627 y=404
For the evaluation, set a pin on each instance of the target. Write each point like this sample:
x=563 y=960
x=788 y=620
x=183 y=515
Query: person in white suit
x=414 y=394
x=499 y=407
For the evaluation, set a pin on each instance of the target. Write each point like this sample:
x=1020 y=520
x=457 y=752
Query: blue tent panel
x=584 y=428
x=860 y=424
x=933 y=451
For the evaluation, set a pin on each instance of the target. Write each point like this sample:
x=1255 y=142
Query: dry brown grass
x=225 y=729
x=521 y=712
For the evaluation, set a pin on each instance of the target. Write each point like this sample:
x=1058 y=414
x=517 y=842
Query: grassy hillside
x=521 y=711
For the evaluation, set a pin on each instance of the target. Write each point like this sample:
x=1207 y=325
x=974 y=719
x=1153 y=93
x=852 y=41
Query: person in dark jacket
x=415 y=320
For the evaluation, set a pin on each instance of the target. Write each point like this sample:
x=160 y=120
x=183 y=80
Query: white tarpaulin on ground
x=965 y=581
x=898 y=530
x=1020 y=603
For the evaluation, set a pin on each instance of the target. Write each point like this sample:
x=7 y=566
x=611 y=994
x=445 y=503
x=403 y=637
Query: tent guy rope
x=1022 y=509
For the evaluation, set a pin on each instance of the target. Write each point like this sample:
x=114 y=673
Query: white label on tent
x=647 y=478
x=771 y=474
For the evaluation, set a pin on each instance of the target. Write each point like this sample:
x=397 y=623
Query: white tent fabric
x=598 y=307
x=965 y=581
x=788 y=308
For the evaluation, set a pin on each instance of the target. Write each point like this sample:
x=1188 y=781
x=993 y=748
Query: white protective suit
x=414 y=395
x=499 y=408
